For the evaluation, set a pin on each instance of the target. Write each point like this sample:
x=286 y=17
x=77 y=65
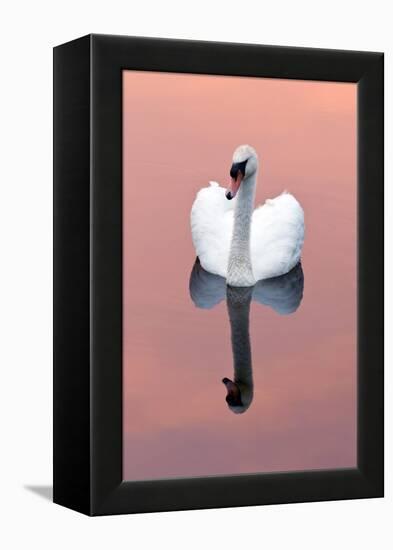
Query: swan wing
x=277 y=235
x=211 y=228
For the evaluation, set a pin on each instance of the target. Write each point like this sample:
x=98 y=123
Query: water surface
x=179 y=133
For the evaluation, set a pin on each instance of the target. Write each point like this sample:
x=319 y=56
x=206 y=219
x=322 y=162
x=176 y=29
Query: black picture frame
x=88 y=274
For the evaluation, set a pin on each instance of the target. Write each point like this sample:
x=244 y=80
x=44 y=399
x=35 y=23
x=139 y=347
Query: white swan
x=239 y=243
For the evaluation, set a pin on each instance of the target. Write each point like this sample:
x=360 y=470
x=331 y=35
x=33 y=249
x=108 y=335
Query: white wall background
x=28 y=32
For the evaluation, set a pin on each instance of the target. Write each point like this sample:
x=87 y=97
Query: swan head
x=238 y=399
x=244 y=165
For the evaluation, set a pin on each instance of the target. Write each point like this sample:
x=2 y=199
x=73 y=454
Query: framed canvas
x=207 y=354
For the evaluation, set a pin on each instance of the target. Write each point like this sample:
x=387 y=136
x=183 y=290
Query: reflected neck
x=238 y=304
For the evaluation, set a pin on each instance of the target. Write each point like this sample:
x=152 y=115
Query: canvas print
x=239 y=275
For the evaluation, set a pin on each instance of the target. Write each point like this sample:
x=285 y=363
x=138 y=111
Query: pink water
x=179 y=133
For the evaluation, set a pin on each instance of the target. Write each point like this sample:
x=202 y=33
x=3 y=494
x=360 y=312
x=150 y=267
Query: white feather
x=276 y=239
x=211 y=228
x=277 y=235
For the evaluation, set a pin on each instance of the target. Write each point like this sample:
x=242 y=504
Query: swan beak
x=234 y=186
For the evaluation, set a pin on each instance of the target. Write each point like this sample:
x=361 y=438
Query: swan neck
x=239 y=264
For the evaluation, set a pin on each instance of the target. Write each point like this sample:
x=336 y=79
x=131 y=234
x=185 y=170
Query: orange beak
x=234 y=186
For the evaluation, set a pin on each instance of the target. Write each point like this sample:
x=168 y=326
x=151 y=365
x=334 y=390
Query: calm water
x=179 y=133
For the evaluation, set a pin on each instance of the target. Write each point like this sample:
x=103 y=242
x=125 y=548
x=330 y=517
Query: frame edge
x=71 y=275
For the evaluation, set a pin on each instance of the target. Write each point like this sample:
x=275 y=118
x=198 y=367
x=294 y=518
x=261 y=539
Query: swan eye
x=236 y=167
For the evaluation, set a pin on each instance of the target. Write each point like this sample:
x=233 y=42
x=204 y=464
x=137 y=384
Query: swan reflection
x=283 y=294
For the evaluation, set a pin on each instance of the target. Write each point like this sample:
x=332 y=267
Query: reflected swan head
x=244 y=165
x=234 y=397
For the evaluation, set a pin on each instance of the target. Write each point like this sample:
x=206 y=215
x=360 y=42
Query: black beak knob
x=238 y=167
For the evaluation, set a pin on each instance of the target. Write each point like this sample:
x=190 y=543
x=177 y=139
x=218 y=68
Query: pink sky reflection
x=179 y=132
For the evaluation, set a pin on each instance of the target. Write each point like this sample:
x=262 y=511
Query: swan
x=241 y=244
x=283 y=294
